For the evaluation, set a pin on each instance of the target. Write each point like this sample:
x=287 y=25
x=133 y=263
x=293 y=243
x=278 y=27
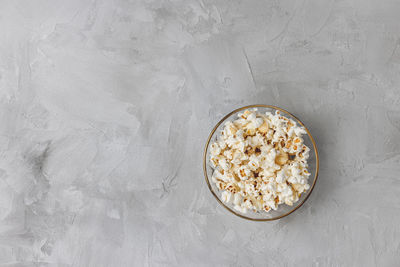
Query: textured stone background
x=105 y=107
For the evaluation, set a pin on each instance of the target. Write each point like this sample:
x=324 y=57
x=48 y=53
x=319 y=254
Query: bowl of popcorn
x=260 y=162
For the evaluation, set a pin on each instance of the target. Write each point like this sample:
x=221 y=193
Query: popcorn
x=237 y=199
x=241 y=209
x=244 y=172
x=226 y=196
x=281 y=176
x=215 y=149
x=282 y=158
x=225 y=165
x=254 y=162
x=258 y=122
x=260 y=161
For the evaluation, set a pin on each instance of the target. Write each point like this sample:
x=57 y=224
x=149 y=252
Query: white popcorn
x=271 y=204
x=241 y=122
x=226 y=196
x=237 y=199
x=249 y=189
x=221 y=144
x=216 y=175
x=228 y=154
x=267 y=172
x=225 y=165
x=215 y=149
x=271 y=187
x=240 y=184
x=256 y=140
x=258 y=122
x=239 y=135
x=270 y=159
x=251 y=117
x=298 y=131
x=254 y=122
x=241 y=209
x=281 y=176
x=285 y=190
x=227 y=177
x=244 y=173
x=260 y=161
x=254 y=162
x=247 y=204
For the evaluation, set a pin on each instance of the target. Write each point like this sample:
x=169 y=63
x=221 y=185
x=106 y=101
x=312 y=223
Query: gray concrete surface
x=105 y=107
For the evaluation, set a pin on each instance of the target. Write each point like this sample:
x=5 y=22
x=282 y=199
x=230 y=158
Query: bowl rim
x=205 y=161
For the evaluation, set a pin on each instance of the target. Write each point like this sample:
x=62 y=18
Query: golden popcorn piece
x=288 y=144
x=282 y=143
x=288 y=202
x=233 y=129
x=267 y=208
x=236 y=177
x=263 y=128
x=282 y=158
x=250 y=131
x=296 y=187
x=221 y=185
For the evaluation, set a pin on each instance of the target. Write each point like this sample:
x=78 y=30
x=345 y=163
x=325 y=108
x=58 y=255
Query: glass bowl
x=283 y=209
